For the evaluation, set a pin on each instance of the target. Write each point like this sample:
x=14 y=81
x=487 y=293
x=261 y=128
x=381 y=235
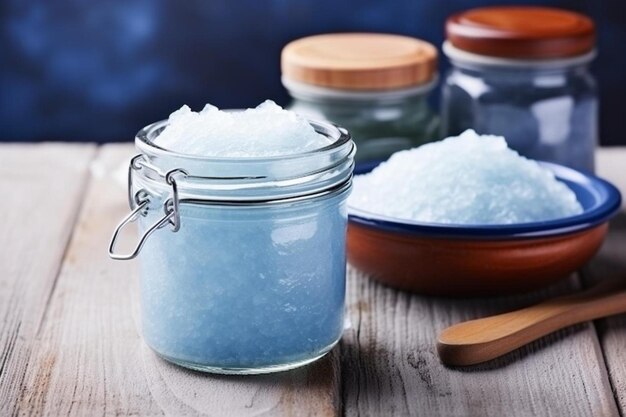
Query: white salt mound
x=468 y=179
x=265 y=131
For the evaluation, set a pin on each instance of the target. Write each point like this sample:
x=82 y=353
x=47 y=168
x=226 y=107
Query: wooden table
x=70 y=342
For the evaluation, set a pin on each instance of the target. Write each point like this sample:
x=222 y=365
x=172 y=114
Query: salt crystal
x=265 y=131
x=468 y=179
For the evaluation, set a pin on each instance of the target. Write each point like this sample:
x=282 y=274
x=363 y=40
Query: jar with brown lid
x=523 y=72
x=375 y=85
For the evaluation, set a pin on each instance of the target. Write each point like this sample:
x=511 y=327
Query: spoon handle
x=477 y=341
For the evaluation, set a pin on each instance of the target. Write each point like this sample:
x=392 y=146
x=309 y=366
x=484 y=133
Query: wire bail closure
x=139 y=203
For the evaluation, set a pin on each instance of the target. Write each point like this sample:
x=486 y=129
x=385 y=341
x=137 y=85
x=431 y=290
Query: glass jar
x=538 y=94
x=375 y=85
x=381 y=122
x=242 y=260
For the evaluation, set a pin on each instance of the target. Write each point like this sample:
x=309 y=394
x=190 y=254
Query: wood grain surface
x=42 y=188
x=70 y=341
x=390 y=365
x=610 y=263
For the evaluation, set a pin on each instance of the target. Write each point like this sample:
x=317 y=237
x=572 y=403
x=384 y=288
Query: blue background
x=100 y=70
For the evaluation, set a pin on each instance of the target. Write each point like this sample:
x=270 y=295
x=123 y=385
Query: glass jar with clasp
x=242 y=260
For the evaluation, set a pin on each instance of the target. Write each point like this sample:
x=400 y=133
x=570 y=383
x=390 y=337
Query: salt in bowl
x=472 y=260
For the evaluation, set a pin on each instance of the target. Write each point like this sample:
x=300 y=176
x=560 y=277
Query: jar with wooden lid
x=375 y=85
x=523 y=72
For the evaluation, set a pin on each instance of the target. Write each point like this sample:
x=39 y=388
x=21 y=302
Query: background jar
x=375 y=85
x=243 y=264
x=523 y=73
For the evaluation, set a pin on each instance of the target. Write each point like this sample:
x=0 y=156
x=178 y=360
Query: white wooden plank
x=611 y=264
x=42 y=187
x=90 y=358
x=390 y=365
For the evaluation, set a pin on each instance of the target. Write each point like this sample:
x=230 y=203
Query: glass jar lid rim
x=522 y=32
x=360 y=61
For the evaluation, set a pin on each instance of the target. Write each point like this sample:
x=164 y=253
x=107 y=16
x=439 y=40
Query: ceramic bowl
x=469 y=260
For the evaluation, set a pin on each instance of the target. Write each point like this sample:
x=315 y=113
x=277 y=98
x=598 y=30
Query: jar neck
x=350 y=99
x=485 y=71
x=474 y=63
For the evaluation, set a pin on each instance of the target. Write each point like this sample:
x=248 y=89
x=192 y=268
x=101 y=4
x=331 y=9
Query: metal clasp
x=140 y=201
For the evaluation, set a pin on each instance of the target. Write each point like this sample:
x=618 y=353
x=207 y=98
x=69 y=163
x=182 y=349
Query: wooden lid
x=521 y=32
x=359 y=61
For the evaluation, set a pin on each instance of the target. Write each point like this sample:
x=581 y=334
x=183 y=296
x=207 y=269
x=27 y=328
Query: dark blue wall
x=100 y=70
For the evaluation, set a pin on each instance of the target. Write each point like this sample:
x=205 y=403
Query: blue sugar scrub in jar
x=375 y=85
x=523 y=73
x=242 y=218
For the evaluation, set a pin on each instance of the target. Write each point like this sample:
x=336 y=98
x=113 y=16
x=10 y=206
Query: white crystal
x=265 y=131
x=468 y=179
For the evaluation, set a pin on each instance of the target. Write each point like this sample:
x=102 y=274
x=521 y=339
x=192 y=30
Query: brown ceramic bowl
x=462 y=260
x=461 y=267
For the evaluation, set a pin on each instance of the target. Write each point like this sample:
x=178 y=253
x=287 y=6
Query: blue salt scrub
x=469 y=179
x=248 y=288
x=254 y=279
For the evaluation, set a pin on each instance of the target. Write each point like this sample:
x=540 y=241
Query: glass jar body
x=380 y=124
x=547 y=114
x=246 y=289
x=242 y=260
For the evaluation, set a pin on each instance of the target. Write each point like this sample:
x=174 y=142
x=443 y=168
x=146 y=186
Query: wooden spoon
x=477 y=341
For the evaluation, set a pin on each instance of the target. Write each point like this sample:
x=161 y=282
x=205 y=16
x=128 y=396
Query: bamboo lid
x=359 y=61
x=521 y=32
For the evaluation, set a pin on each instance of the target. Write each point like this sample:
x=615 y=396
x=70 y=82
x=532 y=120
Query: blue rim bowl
x=600 y=200
x=471 y=260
